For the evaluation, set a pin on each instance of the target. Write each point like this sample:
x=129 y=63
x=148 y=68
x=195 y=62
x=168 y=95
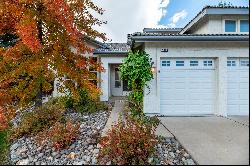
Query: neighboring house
x=201 y=69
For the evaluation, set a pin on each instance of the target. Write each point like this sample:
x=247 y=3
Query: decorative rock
x=172 y=154
x=190 y=162
x=23 y=162
x=40 y=155
x=150 y=160
x=54 y=154
x=72 y=155
x=98 y=146
x=78 y=163
x=38 y=163
x=14 y=146
x=96 y=151
x=186 y=155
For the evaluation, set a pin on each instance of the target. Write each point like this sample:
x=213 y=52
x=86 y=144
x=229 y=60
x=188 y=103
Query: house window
x=117 y=78
x=244 y=63
x=230 y=26
x=93 y=70
x=165 y=63
x=194 y=63
x=231 y=63
x=179 y=63
x=208 y=63
x=244 y=25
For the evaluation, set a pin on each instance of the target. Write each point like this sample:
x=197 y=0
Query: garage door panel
x=233 y=86
x=194 y=97
x=238 y=90
x=244 y=107
x=244 y=85
x=173 y=108
x=232 y=97
x=244 y=96
x=233 y=102
x=187 y=91
x=195 y=109
x=208 y=86
x=178 y=96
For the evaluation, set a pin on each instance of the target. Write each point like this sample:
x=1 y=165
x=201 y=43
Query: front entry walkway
x=211 y=140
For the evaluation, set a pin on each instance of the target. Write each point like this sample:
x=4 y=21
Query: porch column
x=105 y=82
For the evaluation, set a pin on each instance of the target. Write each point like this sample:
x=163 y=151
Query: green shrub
x=85 y=103
x=128 y=143
x=4 y=145
x=142 y=118
x=41 y=118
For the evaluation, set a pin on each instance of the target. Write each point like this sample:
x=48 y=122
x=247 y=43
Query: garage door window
x=231 y=63
x=208 y=63
x=244 y=63
x=194 y=63
x=165 y=63
x=179 y=63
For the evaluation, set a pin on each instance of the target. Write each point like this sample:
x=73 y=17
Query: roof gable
x=209 y=10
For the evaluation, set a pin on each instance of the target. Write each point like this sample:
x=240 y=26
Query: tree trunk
x=39 y=97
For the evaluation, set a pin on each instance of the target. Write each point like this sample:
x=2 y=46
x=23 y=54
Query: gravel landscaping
x=84 y=151
x=170 y=152
x=25 y=151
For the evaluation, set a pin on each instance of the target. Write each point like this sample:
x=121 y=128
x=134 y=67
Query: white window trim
x=239 y=26
x=224 y=25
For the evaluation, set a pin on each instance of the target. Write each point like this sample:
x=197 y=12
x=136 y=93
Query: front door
x=116 y=82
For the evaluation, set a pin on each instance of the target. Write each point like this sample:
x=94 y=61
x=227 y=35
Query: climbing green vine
x=136 y=69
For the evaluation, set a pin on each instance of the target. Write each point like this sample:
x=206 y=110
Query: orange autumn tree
x=46 y=31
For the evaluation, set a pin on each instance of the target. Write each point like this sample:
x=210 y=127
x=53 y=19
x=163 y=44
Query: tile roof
x=164 y=34
x=162 y=30
x=113 y=48
x=143 y=37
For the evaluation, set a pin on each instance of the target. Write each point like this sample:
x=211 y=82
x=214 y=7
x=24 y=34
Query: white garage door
x=238 y=86
x=187 y=87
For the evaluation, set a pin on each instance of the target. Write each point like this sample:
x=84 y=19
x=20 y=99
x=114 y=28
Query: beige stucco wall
x=215 y=24
x=220 y=51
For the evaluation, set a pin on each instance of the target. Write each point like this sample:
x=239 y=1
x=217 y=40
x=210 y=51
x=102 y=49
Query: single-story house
x=201 y=69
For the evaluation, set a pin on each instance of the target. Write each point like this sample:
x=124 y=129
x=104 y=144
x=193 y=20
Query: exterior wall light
x=153 y=70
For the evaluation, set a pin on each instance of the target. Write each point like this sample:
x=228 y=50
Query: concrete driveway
x=212 y=140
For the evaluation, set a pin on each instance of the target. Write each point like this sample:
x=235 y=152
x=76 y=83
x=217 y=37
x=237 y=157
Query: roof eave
x=189 y=38
x=111 y=53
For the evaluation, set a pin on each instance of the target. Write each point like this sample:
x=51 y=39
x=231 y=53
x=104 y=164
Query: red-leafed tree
x=46 y=31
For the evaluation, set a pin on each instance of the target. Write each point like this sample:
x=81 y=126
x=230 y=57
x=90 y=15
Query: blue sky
x=191 y=7
x=128 y=16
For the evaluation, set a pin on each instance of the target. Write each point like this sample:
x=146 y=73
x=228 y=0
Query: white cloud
x=164 y=3
x=129 y=16
x=176 y=17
